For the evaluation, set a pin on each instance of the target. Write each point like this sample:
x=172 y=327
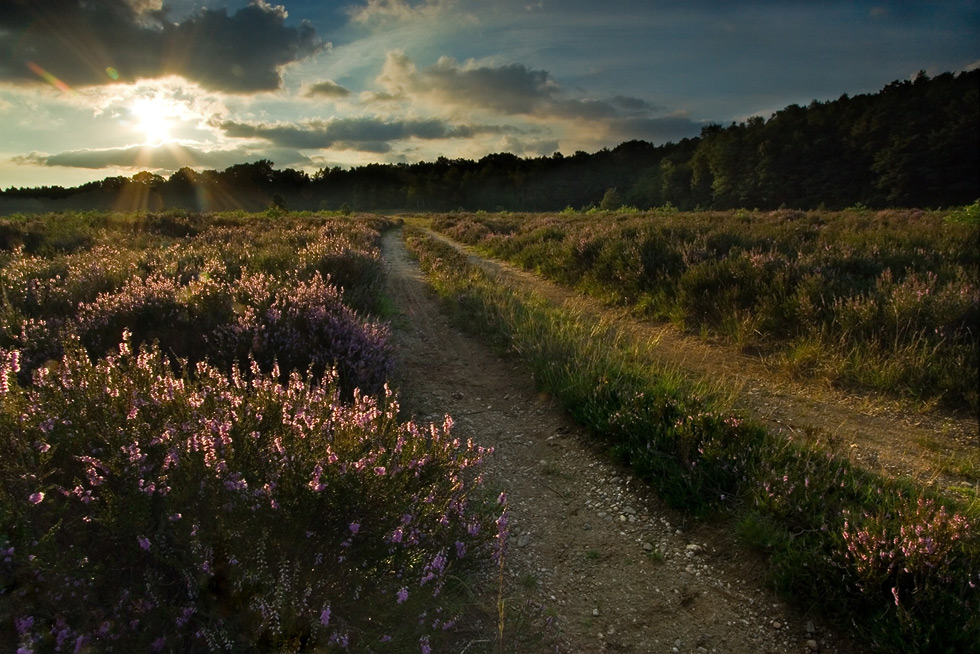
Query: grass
x=900 y=561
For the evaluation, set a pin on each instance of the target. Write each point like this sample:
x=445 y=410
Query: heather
x=200 y=451
x=895 y=561
x=885 y=300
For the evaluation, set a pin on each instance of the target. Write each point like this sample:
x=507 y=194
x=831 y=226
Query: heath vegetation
x=895 y=561
x=199 y=450
x=881 y=300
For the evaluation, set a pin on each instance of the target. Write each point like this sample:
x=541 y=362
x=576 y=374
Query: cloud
x=91 y=42
x=164 y=157
x=535 y=147
x=365 y=134
x=511 y=89
x=326 y=89
x=374 y=11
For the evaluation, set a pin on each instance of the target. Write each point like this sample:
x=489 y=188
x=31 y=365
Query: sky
x=97 y=88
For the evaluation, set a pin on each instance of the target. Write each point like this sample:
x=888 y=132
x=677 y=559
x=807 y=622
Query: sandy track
x=596 y=562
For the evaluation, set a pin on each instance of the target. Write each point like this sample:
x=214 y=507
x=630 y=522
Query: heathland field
x=201 y=449
x=198 y=449
x=884 y=300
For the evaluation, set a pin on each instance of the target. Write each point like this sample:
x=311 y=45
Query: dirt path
x=597 y=563
x=884 y=436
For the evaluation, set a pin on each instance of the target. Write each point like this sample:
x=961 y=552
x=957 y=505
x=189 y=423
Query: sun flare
x=154 y=117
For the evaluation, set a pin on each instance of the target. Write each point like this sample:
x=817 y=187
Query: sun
x=155 y=117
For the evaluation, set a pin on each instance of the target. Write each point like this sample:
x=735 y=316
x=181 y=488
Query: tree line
x=915 y=143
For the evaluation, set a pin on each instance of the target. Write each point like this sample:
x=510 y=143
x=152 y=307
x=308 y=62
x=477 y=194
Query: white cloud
x=375 y=11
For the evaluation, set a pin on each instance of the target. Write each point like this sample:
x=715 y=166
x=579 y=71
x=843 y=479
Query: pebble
x=647 y=547
x=813 y=645
x=776 y=624
x=595 y=612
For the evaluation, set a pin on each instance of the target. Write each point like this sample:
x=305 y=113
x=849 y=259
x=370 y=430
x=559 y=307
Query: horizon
x=116 y=87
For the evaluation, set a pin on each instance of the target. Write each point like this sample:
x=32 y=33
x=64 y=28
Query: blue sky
x=111 y=87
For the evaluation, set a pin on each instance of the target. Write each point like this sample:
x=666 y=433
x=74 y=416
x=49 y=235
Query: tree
x=611 y=201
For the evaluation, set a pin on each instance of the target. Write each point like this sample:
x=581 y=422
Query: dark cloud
x=327 y=89
x=511 y=89
x=168 y=157
x=365 y=134
x=93 y=42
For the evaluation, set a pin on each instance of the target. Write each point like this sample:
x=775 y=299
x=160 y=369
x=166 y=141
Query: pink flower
x=36 y=498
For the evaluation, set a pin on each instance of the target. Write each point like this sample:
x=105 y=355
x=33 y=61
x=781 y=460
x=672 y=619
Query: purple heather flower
x=144 y=542
x=402 y=594
x=37 y=497
x=325 y=617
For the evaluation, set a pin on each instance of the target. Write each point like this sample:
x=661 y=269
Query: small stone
x=586 y=527
x=809 y=627
x=629 y=510
x=776 y=624
x=647 y=547
x=524 y=540
x=813 y=645
x=595 y=612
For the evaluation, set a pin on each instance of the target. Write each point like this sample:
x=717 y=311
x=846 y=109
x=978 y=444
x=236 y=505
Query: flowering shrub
x=199 y=299
x=307 y=326
x=192 y=488
x=917 y=559
x=147 y=511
